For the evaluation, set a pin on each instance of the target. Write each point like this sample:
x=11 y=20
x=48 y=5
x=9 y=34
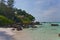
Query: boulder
x=19 y=28
x=13 y=29
x=34 y=26
x=59 y=35
x=54 y=24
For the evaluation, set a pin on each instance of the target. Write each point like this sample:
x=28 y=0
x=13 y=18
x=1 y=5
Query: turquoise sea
x=45 y=32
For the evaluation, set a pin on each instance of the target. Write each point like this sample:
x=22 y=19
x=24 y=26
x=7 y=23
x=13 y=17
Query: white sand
x=6 y=34
x=22 y=35
x=7 y=30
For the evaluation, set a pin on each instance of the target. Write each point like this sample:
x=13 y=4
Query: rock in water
x=54 y=24
x=59 y=35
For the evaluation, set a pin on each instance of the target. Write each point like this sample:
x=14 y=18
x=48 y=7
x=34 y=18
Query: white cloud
x=42 y=1
x=50 y=11
x=42 y=9
x=39 y=2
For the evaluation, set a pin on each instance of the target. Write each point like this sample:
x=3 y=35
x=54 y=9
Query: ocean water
x=45 y=32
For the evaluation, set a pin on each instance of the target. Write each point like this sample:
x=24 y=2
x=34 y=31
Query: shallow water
x=45 y=32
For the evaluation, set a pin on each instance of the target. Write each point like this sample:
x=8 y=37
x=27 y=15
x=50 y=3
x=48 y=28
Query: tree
x=8 y=11
x=10 y=3
x=10 y=8
x=2 y=1
x=2 y=7
x=4 y=20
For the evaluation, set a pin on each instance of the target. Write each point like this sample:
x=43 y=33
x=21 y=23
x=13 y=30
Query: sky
x=42 y=10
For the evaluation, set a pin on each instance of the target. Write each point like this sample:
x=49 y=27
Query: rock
x=19 y=28
x=59 y=35
x=40 y=24
x=13 y=29
x=34 y=26
x=54 y=25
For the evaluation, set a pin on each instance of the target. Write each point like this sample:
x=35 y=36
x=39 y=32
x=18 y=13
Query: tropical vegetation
x=10 y=15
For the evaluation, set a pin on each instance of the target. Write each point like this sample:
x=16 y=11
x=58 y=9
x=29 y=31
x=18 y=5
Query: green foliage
x=31 y=17
x=10 y=13
x=27 y=15
x=2 y=1
x=5 y=21
x=10 y=3
x=25 y=20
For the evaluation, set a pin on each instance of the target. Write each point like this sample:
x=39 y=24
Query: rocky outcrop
x=54 y=24
x=59 y=35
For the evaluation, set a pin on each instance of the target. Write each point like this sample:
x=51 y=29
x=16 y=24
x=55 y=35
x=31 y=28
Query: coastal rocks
x=54 y=24
x=59 y=35
x=19 y=28
x=13 y=29
x=34 y=26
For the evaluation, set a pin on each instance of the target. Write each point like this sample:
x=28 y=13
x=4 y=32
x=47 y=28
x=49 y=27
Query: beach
x=22 y=35
x=8 y=34
x=43 y=32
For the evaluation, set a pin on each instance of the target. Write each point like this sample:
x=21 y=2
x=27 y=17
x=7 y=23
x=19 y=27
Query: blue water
x=45 y=32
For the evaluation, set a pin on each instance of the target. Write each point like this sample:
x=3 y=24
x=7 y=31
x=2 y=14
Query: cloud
x=48 y=10
x=52 y=14
x=43 y=10
x=38 y=2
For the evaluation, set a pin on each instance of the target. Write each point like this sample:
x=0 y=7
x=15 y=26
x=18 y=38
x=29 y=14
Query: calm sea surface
x=45 y=32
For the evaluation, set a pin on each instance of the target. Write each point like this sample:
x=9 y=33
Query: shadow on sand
x=4 y=36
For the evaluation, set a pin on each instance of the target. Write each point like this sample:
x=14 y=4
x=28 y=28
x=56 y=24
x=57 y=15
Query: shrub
x=5 y=21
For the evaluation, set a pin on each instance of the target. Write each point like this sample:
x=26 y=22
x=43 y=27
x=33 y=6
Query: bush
x=5 y=21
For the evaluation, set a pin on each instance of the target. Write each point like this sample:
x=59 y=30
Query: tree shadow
x=4 y=36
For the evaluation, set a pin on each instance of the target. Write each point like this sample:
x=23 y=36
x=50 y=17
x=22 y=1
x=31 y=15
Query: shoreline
x=27 y=34
x=9 y=34
x=6 y=34
x=22 y=35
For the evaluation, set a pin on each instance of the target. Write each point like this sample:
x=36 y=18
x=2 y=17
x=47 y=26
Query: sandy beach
x=28 y=34
x=8 y=34
x=22 y=35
